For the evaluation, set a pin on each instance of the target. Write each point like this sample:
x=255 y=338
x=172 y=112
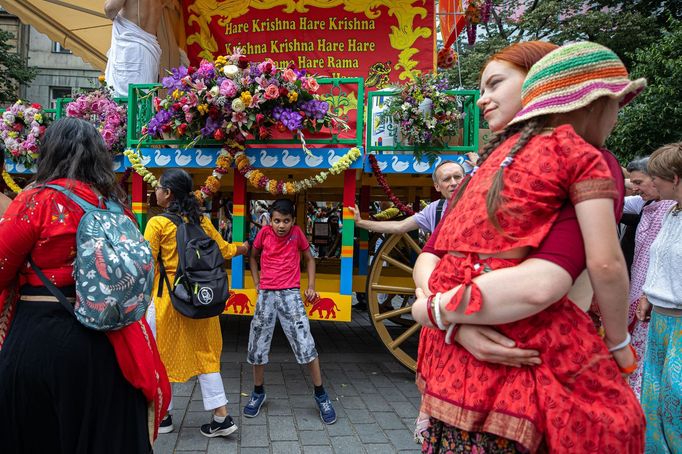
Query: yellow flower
x=290 y=188
x=101 y=79
x=246 y=97
x=212 y=184
x=38 y=117
x=293 y=96
x=202 y=108
x=176 y=94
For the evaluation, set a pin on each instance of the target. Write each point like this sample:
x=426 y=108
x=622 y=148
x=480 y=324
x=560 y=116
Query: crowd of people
x=537 y=335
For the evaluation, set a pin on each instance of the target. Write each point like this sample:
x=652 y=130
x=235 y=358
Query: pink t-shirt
x=280 y=258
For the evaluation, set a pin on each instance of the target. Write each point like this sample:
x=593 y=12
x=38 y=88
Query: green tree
x=13 y=69
x=655 y=118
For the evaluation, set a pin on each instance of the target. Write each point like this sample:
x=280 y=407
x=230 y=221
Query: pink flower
x=271 y=92
x=239 y=118
x=310 y=83
x=228 y=88
x=108 y=136
x=289 y=75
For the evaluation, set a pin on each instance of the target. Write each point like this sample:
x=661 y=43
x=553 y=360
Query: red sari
x=576 y=400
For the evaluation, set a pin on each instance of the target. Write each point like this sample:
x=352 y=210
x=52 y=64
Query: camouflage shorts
x=286 y=305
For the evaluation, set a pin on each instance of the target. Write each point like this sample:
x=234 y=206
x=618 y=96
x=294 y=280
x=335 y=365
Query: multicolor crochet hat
x=573 y=76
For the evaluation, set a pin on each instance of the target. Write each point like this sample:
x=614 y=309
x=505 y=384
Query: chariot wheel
x=390 y=293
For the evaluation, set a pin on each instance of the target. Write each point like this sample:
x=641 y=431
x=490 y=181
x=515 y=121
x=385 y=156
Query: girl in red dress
x=575 y=400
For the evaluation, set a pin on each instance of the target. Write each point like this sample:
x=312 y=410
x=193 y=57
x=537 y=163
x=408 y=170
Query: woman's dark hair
x=183 y=202
x=283 y=206
x=72 y=148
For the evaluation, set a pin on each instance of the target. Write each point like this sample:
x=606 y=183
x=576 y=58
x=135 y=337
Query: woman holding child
x=546 y=157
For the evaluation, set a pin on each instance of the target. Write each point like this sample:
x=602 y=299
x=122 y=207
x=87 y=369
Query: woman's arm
x=228 y=250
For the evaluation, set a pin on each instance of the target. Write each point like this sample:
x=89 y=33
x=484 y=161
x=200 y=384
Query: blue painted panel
x=406 y=163
x=237 y=278
x=346 y=284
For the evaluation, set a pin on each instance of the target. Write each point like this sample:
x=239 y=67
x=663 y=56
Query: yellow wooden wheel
x=390 y=292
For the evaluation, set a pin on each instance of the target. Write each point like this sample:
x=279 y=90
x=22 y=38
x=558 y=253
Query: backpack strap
x=178 y=221
x=86 y=206
x=51 y=287
x=439 y=211
x=163 y=277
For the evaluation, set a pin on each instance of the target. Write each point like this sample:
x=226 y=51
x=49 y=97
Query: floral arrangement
x=280 y=187
x=477 y=12
x=21 y=129
x=232 y=98
x=99 y=108
x=425 y=116
x=381 y=179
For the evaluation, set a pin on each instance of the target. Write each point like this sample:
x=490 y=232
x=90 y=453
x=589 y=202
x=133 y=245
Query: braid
x=487 y=151
x=529 y=130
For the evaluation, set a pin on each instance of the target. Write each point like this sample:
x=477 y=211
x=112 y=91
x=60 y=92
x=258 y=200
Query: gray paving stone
x=402 y=440
x=195 y=405
x=254 y=450
x=375 y=402
x=282 y=428
x=222 y=445
x=254 y=436
x=317 y=450
x=191 y=439
x=340 y=428
x=286 y=447
x=353 y=403
x=196 y=418
x=404 y=409
x=360 y=416
x=165 y=443
x=180 y=403
x=313 y=437
x=279 y=407
x=380 y=449
x=308 y=419
x=389 y=420
x=370 y=433
x=183 y=389
x=347 y=444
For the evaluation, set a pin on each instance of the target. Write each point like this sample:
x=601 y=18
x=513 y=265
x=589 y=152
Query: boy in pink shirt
x=279 y=297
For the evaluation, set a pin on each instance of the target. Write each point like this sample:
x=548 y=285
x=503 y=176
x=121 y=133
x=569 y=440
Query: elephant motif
x=238 y=301
x=323 y=304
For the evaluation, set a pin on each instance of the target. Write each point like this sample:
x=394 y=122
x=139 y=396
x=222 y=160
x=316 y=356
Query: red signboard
x=381 y=41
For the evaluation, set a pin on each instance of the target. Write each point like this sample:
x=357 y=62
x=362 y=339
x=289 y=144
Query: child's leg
x=262 y=328
x=315 y=372
x=258 y=374
x=294 y=320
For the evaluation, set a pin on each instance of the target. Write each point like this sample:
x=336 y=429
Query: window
x=58 y=92
x=58 y=49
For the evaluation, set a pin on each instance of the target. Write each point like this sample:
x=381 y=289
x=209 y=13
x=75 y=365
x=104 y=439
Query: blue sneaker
x=252 y=409
x=327 y=413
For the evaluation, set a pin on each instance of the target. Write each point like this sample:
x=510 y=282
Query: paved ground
x=374 y=396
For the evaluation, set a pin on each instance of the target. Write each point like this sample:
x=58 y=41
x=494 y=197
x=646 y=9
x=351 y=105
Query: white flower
x=231 y=71
x=238 y=105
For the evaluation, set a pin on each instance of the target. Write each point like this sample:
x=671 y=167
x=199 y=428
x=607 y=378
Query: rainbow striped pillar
x=363 y=235
x=347 y=235
x=139 y=198
x=238 y=227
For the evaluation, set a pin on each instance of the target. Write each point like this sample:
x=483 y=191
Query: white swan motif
x=145 y=159
x=290 y=160
x=161 y=160
x=420 y=166
x=312 y=160
x=267 y=161
x=398 y=166
x=333 y=158
x=202 y=161
x=382 y=165
x=182 y=160
x=252 y=159
x=19 y=168
x=9 y=166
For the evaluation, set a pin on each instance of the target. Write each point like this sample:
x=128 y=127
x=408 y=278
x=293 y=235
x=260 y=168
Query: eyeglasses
x=160 y=187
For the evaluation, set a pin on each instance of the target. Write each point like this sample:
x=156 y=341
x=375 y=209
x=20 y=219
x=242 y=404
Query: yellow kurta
x=188 y=346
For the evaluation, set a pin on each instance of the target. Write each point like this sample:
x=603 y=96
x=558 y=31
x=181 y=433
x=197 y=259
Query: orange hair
x=523 y=55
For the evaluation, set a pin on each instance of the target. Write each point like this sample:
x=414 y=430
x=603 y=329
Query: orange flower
x=224 y=162
x=212 y=184
x=290 y=188
x=272 y=187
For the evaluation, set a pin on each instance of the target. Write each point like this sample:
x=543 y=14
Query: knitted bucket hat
x=573 y=76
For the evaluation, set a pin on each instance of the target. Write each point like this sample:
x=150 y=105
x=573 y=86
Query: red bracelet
x=429 y=310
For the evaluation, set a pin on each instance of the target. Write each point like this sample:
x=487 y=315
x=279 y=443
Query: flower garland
x=21 y=129
x=282 y=187
x=387 y=189
x=212 y=183
x=99 y=108
x=136 y=164
x=9 y=181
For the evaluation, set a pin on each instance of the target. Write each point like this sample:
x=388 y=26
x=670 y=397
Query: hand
x=472 y=158
x=311 y=294
x=488 y=345
x=243 y=249
x=643 y=309
x=419 y=311
x=356 y=214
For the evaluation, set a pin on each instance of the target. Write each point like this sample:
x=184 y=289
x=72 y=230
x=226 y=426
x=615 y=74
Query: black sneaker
x=219 y=429
x=166 y=425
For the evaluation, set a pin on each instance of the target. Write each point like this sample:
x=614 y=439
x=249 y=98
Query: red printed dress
x=576 y=400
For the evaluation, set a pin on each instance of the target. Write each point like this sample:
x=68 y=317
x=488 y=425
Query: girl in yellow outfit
x=188 y=347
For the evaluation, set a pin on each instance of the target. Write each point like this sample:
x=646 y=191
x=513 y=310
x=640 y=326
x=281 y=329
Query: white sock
x=219 y=419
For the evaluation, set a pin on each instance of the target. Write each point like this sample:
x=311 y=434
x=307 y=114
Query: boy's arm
x=310 y=268
x=253 y=266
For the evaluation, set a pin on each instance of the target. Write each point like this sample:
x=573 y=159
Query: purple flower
x=211 y=126
x=173 y=81
x=161 y=118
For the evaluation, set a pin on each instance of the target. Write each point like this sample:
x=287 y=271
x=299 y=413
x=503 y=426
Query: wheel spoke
x=393 y=313
x=392 y=289
x=397 y=263
x=413 y=244
x=404 y=336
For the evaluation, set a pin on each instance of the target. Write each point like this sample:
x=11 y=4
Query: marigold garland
x=212 y=183
x=381 y=179
x=9 y=181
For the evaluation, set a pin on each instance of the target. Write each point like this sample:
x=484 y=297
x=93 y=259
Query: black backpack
x=200 y=289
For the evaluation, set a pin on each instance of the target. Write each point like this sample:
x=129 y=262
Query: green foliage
x=655 y=117
x=13 y=70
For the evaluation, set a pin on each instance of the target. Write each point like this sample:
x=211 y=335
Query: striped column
x=139 y=199
x=238 y=227
x=363 y=235
x=347 y=234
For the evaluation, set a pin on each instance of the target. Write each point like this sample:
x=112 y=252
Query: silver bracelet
x=622 y=345
x=436 y=312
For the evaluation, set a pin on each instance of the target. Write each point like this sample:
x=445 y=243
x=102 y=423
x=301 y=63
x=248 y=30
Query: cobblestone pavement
x=375 y=398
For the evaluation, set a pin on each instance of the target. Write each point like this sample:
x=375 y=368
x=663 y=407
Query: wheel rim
x=391 y=273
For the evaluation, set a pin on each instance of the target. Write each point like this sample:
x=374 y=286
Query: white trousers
x=212 y=389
